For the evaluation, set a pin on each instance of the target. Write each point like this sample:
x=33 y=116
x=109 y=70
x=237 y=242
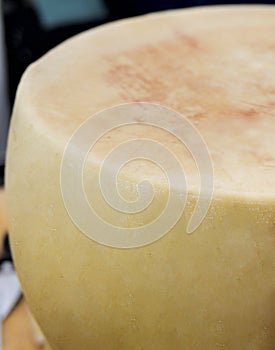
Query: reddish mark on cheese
x=189 y=40
x=135 y=84
x=268 y=108
x=249 y=114
x=271 y=105
x=150 y=72
x=184 y=71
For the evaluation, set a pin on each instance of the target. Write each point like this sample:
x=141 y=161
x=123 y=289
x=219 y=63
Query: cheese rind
x=213 y=289
x=215 y=66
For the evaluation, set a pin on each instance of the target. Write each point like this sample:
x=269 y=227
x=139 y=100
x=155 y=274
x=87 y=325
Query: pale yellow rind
x=213 y=289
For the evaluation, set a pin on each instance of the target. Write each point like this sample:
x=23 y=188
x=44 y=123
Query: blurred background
x=29 y=28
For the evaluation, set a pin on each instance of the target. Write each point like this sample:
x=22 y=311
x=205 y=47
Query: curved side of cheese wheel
x=213 y=289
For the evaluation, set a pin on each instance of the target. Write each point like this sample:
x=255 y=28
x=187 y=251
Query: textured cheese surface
x=214 y=289
x=214 y=66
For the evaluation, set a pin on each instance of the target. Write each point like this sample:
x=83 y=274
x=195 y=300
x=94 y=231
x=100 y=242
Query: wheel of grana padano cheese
x=211 y=289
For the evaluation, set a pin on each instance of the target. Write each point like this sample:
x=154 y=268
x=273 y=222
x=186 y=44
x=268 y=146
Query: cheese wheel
x=212 y=289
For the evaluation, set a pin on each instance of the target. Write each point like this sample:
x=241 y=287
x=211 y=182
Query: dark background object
x=2 y=171
x=6 y=254
x=128 y=8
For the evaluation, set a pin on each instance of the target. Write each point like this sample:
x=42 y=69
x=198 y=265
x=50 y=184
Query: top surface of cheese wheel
x=215 y=65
